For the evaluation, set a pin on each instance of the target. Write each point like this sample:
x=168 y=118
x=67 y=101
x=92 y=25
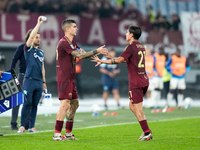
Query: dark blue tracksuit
x=33 y=83
x=18 y=55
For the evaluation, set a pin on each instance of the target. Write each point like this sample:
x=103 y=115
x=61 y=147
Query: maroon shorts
x=136 y=94
x=67 y=90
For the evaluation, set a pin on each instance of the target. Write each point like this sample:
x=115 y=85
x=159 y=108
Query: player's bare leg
x=148 y=94
x=105 y=97
x=116 y=96
x=74 y=104
x=137 y=110
x=64 y=106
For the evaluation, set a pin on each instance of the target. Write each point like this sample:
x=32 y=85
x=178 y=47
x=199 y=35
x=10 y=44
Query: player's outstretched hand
x=97 y=60
x=102 y=50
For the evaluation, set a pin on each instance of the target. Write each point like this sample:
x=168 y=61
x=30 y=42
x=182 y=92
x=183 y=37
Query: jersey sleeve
x=67 y=47
x=127 y=53
x=26 y=48
x=18 y=52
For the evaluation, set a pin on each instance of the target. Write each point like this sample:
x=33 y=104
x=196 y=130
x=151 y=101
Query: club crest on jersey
x=72 y=46
x=70 y=94
x=41 y=53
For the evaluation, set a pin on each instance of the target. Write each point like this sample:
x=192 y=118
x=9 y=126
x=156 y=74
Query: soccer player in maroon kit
x=66 y=54
x=134 y=56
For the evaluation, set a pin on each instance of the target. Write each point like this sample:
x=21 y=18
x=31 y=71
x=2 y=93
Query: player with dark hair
x=134 y=56
x=66 y=54
x=34 y=79
x=19 y=55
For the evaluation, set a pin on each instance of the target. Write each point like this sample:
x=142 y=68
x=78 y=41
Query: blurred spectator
x=65 y=6
x=90 y=11
x=133 y=13
x=15 y=6
x=54 y=7
x=158 y=14
x=76 y=7
x=114 y=9
x=175 y=21
x=97 y=4
x=117 y=12
x=42 y=6
x=121 y=3
x=150 y=14
x=163 y=23
x=145 y=24
x=29 y=6
x=105 y=10
x=3 y=4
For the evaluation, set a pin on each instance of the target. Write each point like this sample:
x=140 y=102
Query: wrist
x=95 y=51
x=44 y=82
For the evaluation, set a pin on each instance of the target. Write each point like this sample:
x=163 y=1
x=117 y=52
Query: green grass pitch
x=178 y=130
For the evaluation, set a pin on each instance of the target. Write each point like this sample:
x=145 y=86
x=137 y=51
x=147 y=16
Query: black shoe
x=1 y=134
x=14 y=127
x=106 y=107
x=118 y=105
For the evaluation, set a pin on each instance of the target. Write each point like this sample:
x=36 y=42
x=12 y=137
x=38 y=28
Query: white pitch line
x=115 y=124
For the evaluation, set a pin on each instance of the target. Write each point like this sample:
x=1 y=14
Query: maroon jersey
x=134 y=54
x=65 y=62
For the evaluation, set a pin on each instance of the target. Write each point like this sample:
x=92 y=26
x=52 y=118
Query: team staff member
x=109 y=81
x=67 y=52
x=18 y=55
x=178 y=66
x=134 y=56
x=159 y=66
x=149 y=64
x=34 y=82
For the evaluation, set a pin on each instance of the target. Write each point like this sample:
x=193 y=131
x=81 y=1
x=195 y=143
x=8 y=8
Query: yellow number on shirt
x=140 y=65
x=56 y=54
x=130 y=92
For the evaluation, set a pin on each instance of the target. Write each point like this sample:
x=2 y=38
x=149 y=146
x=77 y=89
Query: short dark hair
x=67 y=22
x=28 y=34
x=136 y=31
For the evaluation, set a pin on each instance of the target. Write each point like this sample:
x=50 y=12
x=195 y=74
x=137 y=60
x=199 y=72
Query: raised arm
x=43 y=77
x=34 y=32
x=81 y=54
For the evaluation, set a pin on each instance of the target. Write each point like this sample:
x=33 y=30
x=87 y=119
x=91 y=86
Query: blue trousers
x=15 y=110
x=33 y=91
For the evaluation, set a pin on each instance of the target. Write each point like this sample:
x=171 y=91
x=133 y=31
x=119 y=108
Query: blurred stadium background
x=168 y=23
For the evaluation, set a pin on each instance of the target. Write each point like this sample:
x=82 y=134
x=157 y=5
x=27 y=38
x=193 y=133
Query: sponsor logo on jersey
x=41 y=59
